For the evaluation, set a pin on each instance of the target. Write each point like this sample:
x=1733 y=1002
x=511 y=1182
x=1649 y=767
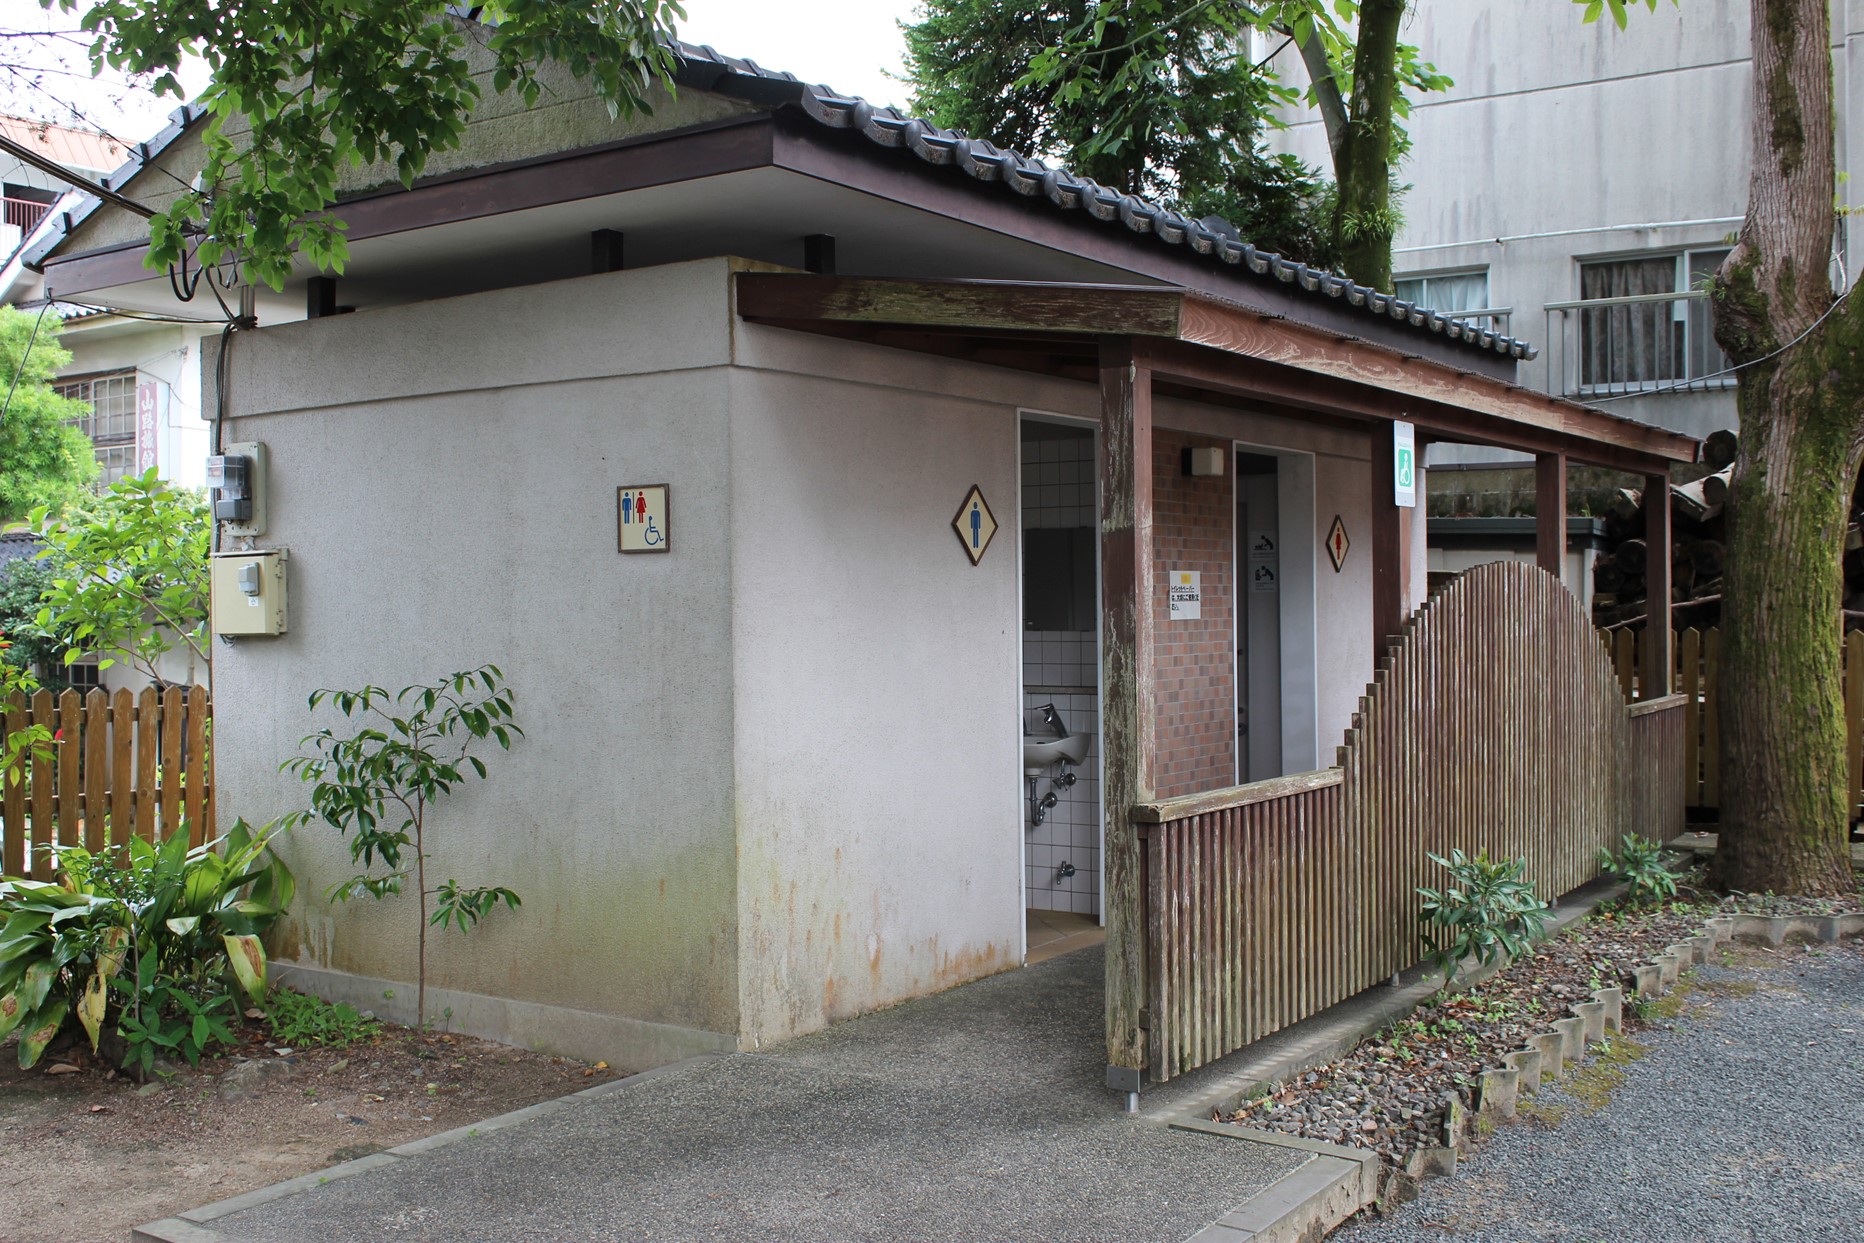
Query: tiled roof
x=706 y=69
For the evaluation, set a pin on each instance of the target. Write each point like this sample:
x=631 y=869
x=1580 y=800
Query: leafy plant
x=44 y=459
x=21 y=746
x=147 y=949
x=130 y=574
x=1488 y=911
x=1640 y=864
x=297 y=1019
x=377 y=785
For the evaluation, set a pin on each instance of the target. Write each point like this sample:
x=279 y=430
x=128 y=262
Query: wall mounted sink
x=1039 y=753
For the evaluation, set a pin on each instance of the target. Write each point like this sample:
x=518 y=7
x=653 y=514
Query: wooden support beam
x=320 y=297
x=1550 y=513
x=819 y=254
x=1655 y=681
x=1388 y=544
x=1126 y=688
x=605 y=251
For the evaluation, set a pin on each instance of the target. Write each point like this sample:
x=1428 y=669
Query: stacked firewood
x=1696 y=552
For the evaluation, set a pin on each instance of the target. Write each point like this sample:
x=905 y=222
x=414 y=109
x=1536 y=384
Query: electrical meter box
x=248 y=592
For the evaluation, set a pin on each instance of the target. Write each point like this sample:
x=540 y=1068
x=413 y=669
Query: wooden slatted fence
x=1698 y=677
x=121 y=764
x=1496 y=724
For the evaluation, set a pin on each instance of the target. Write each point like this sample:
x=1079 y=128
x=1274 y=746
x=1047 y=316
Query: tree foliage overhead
x=1152 y=98
x=43 y=459
x=331 y=84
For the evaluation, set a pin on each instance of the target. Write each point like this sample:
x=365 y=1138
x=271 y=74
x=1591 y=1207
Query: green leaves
x=142 y=945
x=130 y=574
x=376 y=784
x=1595 y=8
x=467 y=907
x=1640 y=863
x=302 y=92
x=1488 y=912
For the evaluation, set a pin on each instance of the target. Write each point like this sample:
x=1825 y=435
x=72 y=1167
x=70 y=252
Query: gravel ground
x=1743 y=1121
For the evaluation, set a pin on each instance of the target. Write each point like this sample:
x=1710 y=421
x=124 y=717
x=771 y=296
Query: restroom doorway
x=1258 y=619
x=1276 y=632
x=1060 y=566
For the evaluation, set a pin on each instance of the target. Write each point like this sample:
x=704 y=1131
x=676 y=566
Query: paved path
x=972 y=1115
x=1744 y=1122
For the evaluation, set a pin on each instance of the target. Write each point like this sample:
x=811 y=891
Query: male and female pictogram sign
x=642 y=517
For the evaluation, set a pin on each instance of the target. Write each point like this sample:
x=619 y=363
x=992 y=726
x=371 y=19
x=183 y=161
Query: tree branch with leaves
x=302 y=90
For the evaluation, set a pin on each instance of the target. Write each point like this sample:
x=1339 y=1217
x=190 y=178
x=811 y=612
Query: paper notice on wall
x=1187 y=595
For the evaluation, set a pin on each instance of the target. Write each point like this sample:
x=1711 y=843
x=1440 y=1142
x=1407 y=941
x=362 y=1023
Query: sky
x=849 y=45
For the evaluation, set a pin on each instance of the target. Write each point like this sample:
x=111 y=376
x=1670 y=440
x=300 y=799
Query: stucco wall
x=869 y=647
x=444 y=476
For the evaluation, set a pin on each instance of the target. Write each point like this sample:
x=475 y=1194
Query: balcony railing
x=1640 y=343
x=23 y=214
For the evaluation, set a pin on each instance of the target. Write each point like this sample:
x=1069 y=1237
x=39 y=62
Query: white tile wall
x=1071 y=830
x=1058 y=491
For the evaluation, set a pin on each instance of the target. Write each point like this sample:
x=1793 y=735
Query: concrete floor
x=1054 y=933
x=977 y=1113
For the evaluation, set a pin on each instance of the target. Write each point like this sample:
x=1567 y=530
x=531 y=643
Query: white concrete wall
x=1577 y=142
x=444 y=476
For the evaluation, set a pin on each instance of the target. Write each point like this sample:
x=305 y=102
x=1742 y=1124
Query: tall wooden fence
x=1496 y=724
x=120 y=764
x=1698 y=678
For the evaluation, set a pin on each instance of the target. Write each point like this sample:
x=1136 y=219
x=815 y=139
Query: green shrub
x=297 y=1019
x=148 y=951
x=1640 y=864
x=1488 y=911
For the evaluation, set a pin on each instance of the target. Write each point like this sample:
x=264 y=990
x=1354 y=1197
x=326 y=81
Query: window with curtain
x=111 y=423
x=1655 y=329
x=1451 y=293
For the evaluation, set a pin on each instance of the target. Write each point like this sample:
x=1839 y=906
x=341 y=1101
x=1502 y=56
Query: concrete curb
x=1306 y=1204
x=193 y=1225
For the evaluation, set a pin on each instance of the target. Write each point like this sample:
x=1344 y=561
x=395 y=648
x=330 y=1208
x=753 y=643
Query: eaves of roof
x=704 y=68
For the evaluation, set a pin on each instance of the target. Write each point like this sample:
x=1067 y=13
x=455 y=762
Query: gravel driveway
x=1745 y=1121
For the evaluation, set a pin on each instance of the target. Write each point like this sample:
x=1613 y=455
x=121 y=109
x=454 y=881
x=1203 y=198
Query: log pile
x=1697 y=549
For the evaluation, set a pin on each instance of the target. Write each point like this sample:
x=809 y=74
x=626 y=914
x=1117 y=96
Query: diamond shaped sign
x=1337 y=543
x=974 y=524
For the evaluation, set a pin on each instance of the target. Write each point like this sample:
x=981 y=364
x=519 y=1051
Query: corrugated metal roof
x=705 y=68
x=83 y=150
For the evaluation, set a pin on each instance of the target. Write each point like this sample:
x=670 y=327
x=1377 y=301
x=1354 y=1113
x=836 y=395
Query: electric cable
x=24 y=355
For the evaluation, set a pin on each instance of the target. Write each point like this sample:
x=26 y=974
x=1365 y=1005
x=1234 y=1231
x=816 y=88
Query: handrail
x=1662 y=703
x=1632 y=299
x=1168 y=810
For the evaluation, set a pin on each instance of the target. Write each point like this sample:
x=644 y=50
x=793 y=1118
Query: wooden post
x=1126 y=697
x=1550 y=513
x=606 y=250
x=320 y=297
x=1657 y=541
x=819 y=254
x=1388 y=532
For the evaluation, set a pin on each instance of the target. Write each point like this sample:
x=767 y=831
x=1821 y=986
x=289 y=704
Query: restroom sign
x=1186 y=596
x=1404 y=465
x=641 y=517
x=974 y=524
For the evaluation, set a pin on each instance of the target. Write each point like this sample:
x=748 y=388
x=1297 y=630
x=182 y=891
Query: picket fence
x=120 y=764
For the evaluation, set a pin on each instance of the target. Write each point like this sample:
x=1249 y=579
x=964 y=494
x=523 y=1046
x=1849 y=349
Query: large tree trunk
x=1785 y=808
x=1366 y=219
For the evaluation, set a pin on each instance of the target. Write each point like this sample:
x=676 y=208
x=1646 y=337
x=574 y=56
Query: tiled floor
x=1054 y=933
